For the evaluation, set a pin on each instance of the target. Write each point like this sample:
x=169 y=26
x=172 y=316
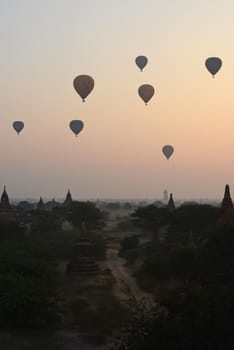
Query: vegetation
x=190 y=319
x=130 y=248
x=188 y=265
x=29 y=286
x=130 y=242
x=33 y=246
x=193 y=281
x=87 y=212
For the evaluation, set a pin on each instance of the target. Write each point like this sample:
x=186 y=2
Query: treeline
x=189 y=266
x=32 y=244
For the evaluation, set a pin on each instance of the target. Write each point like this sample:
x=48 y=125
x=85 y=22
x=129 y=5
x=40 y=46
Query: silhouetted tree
x=198 y=218
x=85 y=212
x=151 y=217
x=11 y=229
x=28 y=286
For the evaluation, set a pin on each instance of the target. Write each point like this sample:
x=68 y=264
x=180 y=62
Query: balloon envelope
x=76 y=126
x=83 y=85
x=146 y=92
x=141 y=62
x=167 y=150
x=18 y=126
x=213 y=65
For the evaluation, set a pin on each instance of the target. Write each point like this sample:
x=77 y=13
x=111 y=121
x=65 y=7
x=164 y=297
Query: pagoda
x=51 y=204
x=7 y=211
x=40 y=204
x=227 y=210
x=83 y=261
x=5 y=203
x=68 y=199
x=171 y=204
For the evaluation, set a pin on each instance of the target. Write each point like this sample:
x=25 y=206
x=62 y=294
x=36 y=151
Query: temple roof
x=171 y=204
x=68 y=199
x=227 y=209
x=40 y=204
x=5 y=203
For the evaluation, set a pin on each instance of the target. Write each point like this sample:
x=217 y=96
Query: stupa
x=7 y=210
x=83 y=261
x=68 y=199
x=227 y=209
x=5 y=203
x=171 y=204
x=40 y=204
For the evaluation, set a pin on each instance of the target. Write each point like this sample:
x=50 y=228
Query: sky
x=45 y=44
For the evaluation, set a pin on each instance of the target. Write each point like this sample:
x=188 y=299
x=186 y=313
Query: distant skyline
x=118 y=154
x=45 y=199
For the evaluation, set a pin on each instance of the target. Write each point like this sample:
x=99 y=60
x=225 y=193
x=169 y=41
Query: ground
x=95 y=305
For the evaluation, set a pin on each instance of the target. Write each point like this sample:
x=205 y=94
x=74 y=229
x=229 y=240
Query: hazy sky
x=45 y=44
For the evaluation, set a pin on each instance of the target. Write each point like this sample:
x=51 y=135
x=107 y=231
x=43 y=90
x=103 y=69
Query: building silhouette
x=5 y=203
x=83 y=261
x=227 y=210
x=50 y=205
x=40 y=204
x=171 y=204
x=8 y=211
x=68 y=199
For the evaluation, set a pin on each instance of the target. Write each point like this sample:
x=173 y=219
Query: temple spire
x=40 y=204
x=5 y=203
x=171 y=204
x=68 y=199
x=227 y=209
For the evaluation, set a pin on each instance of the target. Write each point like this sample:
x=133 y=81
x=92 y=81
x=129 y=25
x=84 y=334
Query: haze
x=46 y=44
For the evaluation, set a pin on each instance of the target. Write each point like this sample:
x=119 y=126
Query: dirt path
x=124 y=281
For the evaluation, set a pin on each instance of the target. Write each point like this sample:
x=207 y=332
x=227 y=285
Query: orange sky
x=118 y=153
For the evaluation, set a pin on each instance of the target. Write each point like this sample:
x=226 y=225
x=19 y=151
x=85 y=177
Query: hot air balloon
x=168 y=150
x=141 y=62
x=18 y=126
x=146 y=92
x=83 y=85
x=213 y=65
x=76 y=126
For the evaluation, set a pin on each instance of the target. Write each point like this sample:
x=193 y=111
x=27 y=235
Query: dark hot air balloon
x=168 y=150
x=83 y=85
x=213 y=65
x=76 y=126
x=146 y=92
x=141 y=62
x=18 y=126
